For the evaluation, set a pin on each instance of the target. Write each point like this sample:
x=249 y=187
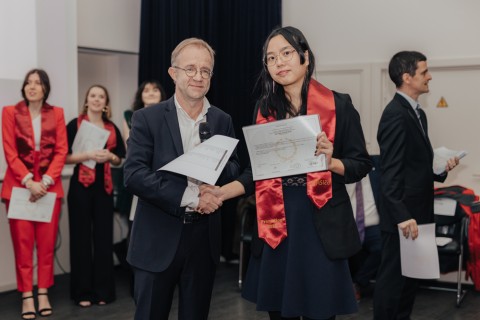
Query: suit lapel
x=423 y=118
x=171 y=118
x=211 y=119
x=415 y=120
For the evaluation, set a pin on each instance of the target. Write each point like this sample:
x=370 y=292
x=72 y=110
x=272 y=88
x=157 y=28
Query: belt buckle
x=188 y=218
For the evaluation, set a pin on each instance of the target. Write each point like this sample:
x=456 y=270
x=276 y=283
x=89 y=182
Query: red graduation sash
x=24 y=136
x=86 y=176
x=272 y=226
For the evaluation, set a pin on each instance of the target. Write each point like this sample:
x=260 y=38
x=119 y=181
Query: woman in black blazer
x=299 y=262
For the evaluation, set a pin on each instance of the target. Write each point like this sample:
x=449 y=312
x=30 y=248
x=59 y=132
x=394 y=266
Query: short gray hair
x=192 y=42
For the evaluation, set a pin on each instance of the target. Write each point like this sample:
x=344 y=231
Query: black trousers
x=192 y=270
x=90 y=212
x=394 y=294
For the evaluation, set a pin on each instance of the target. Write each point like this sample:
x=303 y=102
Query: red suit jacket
x=16 y=169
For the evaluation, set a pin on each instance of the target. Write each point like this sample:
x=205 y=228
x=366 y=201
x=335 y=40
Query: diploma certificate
x=21 y=208
x=206 y=161
x=419 y=257
x=284 y=148
x=89 y=137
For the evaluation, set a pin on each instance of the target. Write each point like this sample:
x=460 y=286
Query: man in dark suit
x=175 y=237
x=406 y=182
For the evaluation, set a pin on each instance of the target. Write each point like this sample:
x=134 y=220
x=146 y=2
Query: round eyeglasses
x=285 y=55
x=192 y=72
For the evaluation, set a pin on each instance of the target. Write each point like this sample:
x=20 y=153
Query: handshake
x=210 y=199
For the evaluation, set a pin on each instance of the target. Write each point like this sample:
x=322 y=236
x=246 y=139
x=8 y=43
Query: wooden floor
x=227 y=303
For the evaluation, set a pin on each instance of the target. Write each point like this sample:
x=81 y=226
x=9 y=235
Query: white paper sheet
x=89 y=137
x=21 y=208
x=419 y=257
x=284 y=148
x=444 y=206
x=206 y=161
x=442 y=155
x=442 y=241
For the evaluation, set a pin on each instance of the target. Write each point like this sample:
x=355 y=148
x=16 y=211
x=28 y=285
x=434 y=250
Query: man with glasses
x=175 y=237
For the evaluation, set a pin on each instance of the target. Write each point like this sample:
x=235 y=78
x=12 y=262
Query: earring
x=273 y=86
x=104 y=109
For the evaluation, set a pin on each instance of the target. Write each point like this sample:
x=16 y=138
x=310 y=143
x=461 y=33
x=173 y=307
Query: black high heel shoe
x=26 y=315
x=45 y=312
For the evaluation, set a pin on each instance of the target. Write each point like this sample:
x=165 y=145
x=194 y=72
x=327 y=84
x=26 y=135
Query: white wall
x=110 y=29
x=18 y=43
x=354 y=40
x=117 y=72
x=109 y=24
x=348 y=31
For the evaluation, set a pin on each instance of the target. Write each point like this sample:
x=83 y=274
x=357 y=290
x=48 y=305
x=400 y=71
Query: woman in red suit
x=35 y=145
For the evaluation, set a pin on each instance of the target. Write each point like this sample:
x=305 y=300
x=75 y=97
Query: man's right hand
x=210 y=199
x=409 y=228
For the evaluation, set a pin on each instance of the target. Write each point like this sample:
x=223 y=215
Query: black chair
x=122 y=199
x=247 y=211
x=452 y=255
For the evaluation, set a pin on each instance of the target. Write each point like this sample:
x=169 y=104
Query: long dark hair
x=138 y=102
x=44 y=80
x=273 y=101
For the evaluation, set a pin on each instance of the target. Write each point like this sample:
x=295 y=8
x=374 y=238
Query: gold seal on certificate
x=286 y=149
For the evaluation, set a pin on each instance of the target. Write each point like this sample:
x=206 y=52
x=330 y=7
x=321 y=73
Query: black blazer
x=154 y=141
x=334 y=222
x=406 y=159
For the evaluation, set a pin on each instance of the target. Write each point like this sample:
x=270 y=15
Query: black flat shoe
x=45 y=312
x=26 y=315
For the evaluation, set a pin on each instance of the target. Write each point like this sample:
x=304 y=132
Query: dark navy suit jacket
x=406 y=159
x=154 y=141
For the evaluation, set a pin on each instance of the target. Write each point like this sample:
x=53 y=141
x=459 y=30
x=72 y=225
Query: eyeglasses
x=192 y=72
x=285 y=55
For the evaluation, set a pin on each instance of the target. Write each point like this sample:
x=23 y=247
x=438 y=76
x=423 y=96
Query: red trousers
x=25 y=234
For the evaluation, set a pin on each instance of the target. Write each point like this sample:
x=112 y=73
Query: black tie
x=417 y=111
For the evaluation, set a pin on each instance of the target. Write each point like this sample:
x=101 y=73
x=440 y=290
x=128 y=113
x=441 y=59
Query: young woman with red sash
x=35 y=146
x=90 y=205
x=306 y=229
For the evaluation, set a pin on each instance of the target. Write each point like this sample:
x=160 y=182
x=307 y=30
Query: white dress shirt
x=190 y=139
x=371 y=213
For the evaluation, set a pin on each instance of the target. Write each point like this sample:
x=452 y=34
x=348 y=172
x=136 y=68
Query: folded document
x=442 y=155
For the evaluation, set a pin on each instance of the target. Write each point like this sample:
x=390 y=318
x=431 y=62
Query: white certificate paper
x=442 y=155
x=89 y=137
x=419 y=257
x=21 y=208
x=444 y=206
x=284 y=148
x=206 y=161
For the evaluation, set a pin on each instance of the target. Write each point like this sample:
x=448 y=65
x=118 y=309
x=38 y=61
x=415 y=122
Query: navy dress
x=297 y=278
